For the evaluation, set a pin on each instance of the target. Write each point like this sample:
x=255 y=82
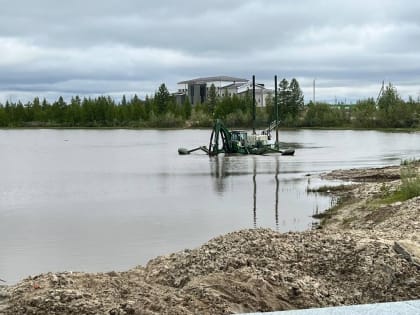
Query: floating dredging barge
x=238 y=142
x=222 y=140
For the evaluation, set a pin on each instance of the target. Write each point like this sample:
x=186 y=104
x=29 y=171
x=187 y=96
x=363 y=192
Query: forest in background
x=162 y=111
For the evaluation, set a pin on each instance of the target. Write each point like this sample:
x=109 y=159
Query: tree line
x=162 y=110
x=389 y=111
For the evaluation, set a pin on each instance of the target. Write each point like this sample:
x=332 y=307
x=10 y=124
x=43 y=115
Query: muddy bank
x=375 y=175
x=361 y=255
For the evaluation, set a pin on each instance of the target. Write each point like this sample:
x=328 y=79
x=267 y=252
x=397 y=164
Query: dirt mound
x=249 y=270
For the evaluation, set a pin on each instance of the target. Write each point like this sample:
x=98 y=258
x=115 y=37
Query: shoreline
x=364 y=252
x=207 y=127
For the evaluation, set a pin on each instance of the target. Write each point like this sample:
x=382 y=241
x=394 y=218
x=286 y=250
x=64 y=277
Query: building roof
x=234 y=84
x=221 y=78
x=258 y=87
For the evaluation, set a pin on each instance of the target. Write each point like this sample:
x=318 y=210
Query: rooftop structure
x=221 y=78
x=261 y=93
x=197 y=90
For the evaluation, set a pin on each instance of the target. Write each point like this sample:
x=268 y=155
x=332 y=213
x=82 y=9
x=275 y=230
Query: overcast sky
x=109 y=47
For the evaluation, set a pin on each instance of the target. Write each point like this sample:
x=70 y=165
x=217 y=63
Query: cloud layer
x=50 y=48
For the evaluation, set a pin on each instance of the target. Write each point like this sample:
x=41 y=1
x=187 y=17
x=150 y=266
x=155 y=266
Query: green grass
x=410 y=182
x=391 y=198
x=409 y=162
x=329 y=213
x=409 y=188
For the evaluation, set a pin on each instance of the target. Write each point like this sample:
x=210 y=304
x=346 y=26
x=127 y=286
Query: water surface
x=99 y=200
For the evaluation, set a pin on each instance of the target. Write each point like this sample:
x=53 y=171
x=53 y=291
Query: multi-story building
x=197 y=90
x=261 y=93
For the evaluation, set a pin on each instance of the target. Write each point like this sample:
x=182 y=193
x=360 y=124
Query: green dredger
x=222 y=140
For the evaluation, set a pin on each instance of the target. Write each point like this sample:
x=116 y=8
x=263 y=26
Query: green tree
x=162 y=98
x=148 y=106
x=58 y=111
x=392 y=110
x=212 y=102
x=74 y=117
x=123 y=100
x=283 y=100
x=364 y=113
x=187 y=108
x=38 y=114
x=20 y=114
x=295 y=101
x=323 y=115
x=88 y=114
x=224 y=107
x=138 y=111
x=3 y=116
x=269 y=109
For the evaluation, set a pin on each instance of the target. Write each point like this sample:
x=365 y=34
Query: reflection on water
x=230 y=172
x=254 y=176
x=276 y=207
x=276 y=204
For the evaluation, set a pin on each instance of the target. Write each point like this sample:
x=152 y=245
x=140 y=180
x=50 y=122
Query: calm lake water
x=100 y=200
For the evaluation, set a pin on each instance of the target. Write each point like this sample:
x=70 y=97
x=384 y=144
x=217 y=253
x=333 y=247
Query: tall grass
x=407 y=162
x=410 y=182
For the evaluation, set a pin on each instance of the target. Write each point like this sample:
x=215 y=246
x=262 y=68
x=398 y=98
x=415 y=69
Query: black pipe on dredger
x=253 y=104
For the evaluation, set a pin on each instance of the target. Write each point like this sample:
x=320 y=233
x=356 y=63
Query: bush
x=238 y=119
x=410 y=182
x=200 y=118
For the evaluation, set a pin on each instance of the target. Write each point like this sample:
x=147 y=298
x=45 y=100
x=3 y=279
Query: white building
x=261 y=93
x=197 y=90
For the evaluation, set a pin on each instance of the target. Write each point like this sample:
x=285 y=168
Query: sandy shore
x=364 y=252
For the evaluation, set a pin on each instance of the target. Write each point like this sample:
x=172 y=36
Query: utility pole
x=313 y=98
x=277 y=111
x=381 y=92
x=253 y=104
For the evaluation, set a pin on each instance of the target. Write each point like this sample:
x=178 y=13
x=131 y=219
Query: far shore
x=209 y=127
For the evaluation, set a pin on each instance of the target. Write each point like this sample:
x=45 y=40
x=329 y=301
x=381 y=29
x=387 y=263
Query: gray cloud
x=114 y=47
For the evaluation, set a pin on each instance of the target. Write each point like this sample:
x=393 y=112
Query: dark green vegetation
x=161 y=110
x=409 y=188
x=332 y=211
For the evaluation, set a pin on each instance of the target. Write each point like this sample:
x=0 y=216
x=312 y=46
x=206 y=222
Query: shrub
x=410 y=182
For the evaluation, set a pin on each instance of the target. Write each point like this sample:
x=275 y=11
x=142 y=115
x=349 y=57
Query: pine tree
x=37 y=110
x=391 y=110
x=148 y=106
x=187 y=109
x=283 y=99
x=212 y=99
x=124 y=100
x=162 y=98
x=296 y=101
